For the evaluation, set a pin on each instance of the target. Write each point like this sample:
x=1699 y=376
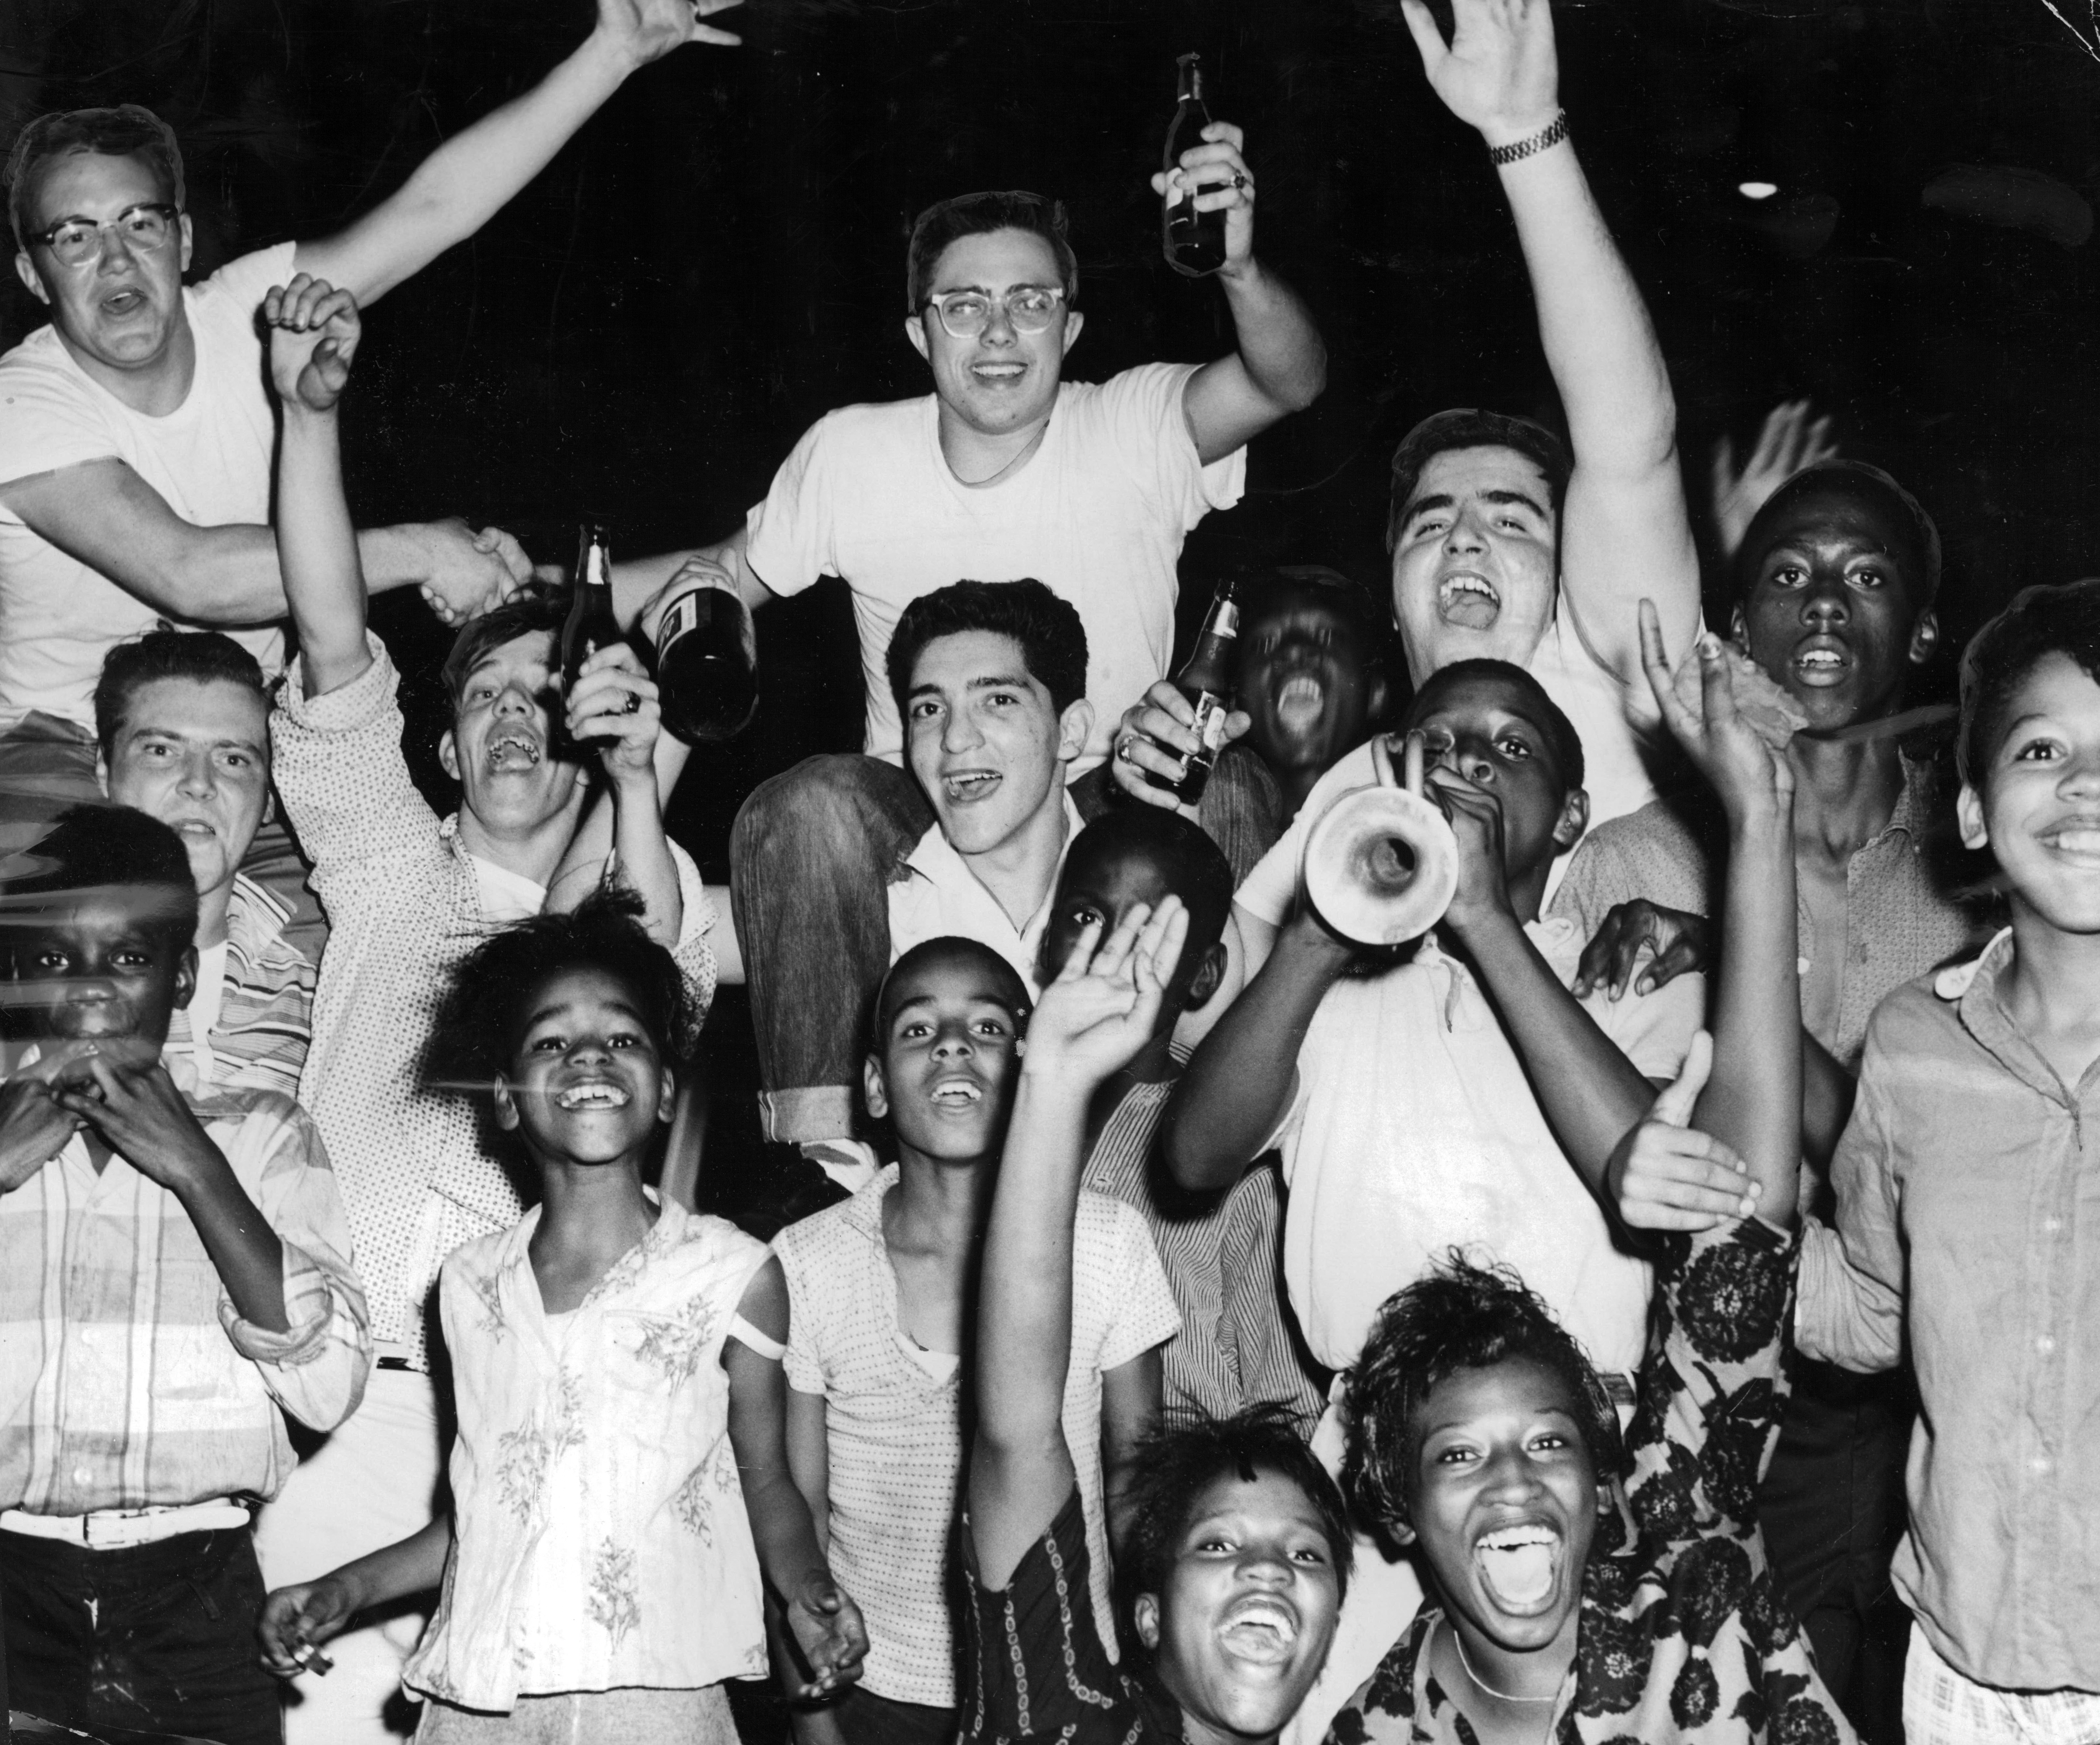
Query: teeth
x=1467 y=584
x=1301 y=692
x=1508 y=1538
x=1516 y=1565
x=2077 y=839
x=511 y=745
x=957 y=1090
x=1264 y=1614
x=1822 y=657
x=971 y=786
x=593 y=1097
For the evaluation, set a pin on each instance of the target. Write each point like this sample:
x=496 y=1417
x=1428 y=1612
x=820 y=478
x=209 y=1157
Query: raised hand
x=1154 y=733
x=314 y=331
x=1793 y=438
x=1676 y=943
x=34 y=1128
x=1104 y=1003
x=647 y=30
x=615 y=708
x=468 y=572
x=828 y=1634
x=1223 y=184
x=1499 y=72
x=1667 y=1175
x=296 y=1620
x=1744 y=770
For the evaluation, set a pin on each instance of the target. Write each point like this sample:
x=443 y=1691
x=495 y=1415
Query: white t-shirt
x=205 y=1005
x=210 y=458
x=1413 y=1130
x=1098 y=513
x=1614 y=775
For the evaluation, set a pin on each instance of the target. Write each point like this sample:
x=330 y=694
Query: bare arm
x=1131 y=1395
x=296 y=1619
x=1626 y=532
x=462 y=185
x=809 y=1458
x=642 y=585
x=1281 y=364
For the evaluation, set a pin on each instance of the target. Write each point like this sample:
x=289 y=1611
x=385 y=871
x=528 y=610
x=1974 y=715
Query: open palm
x=1102 y=1007
x=1499 y=72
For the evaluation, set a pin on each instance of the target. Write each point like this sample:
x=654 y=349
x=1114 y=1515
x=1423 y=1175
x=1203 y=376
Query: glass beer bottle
x=590 y=625
x=707 y=662
x=1206 y=681
x=1194 y=241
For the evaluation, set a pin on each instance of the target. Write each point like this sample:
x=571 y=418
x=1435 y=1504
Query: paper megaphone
x=1381 y=863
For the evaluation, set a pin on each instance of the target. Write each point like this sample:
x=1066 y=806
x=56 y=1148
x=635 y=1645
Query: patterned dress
x=1683 y=1634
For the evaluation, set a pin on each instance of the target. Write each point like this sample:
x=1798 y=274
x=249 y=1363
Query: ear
x=506 y=1104
x=1574 y=820
x=1968 y=815
x=915 y=330
x=186 y=972
x=183 y=223
x=1209 y=971
x=1073 y=727
x=1145 y=1613
x=874 y=1087
x=667 y=1098
x=1375 y=696
x=1739 y=627
x=1924 y=637
x=101 y=770
x=1073 y=321
x=448 y=753
x=25 y=270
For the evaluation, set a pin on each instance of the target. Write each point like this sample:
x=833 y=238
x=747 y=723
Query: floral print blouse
x=1683 y=1633
x=600 y=1537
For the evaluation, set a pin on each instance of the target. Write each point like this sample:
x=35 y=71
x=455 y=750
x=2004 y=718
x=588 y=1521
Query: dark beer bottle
x=707 y=663
x=1194 y=241
x=591 y=625
x=1206 y=681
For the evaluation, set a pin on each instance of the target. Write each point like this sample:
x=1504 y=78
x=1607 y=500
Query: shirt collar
x=1973 y=988
x=255 y=920
x=864 y=1211
x=934 y=858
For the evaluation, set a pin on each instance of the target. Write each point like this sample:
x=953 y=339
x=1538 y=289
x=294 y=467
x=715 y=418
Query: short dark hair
x=1471 y=427
x=1191 y=865
x=1852 y=479
x=127 y=130
x=536 y=606
x=1051 y=639
x=1262 y=591
x=204 y=657
x=949 y=221
x=491 y=990
x=1458 y=1317
x=932 y=951
x=1174 y=1466
x=96 y=845
x=2039 y=622
x=1560 y=734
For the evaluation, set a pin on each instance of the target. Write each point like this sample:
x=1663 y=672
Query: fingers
x=1114 y=952
x=1675 y=1103
x=508 y=552
x=1724 y=467
x=1159 y=946
x=1655 y=662
x=1685 y=955
x=1418 y=750
x=1382 y=758
x=1669 y=1185
x=1082 y=954
x=1428 y=39
x=1717 y=685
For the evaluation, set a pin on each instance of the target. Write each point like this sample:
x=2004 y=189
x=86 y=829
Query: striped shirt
x=404 y=906
x=893 y=1419
x=127 y=1379
x=265 y=1012
x=1234 y=1349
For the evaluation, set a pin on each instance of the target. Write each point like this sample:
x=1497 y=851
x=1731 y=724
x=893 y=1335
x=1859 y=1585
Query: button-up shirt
x=266 y=1008
x=935 y=894
x=127 y=1378
x=1968 y=1231
x=600 y=1536
x=404 y=907
x=1899 y=920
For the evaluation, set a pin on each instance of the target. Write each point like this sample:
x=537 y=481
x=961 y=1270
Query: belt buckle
x=92 y=1526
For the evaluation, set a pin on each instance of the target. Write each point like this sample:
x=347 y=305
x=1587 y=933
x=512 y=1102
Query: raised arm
x=1092 y=1020
x=1279 y=364
x=1624 y=530
x=463 y=183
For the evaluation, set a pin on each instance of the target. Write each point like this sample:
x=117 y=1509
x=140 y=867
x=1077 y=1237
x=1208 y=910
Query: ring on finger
x=1123 y=748
x=1241 y=181
x=632 y=705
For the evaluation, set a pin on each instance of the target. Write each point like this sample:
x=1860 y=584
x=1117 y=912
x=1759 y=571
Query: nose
x=1826 y=605
x=1465 y=534
x=513 y=699
x=199 y=777
x=1463 y=758
x=998 y=327
x=2082 y=777
x=1511 y=1477
x=960 y=731
x=953 y=1043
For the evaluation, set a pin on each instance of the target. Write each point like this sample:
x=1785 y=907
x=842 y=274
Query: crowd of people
x=1650 y=1304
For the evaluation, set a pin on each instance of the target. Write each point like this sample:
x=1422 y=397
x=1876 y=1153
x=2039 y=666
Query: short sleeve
x=49 y=415
x=788 y=537
x=243 y=283
x=1146 y=423
x=1269 y=892
x=1145 y=1315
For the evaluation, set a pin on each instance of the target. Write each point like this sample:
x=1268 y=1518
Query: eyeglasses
x=1031 y=308
x=76 y=241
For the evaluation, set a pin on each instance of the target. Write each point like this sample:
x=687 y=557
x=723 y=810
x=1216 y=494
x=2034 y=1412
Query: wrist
x=1521 y=127
x=1762 y=821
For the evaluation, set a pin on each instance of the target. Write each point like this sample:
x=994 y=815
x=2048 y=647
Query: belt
x=114 y=1529
x=397 y=1363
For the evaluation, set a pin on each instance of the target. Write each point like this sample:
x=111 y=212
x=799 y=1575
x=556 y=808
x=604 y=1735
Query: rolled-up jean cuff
x=807 y=1113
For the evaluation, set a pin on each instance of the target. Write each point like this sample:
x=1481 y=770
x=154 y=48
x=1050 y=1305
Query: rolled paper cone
x=1381 y=866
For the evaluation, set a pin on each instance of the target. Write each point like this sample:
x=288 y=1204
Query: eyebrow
x=994 y=682
x=985 y=290
x=1445 y=500
x=993 y=1000
x=555 y=1008
x=147 y=732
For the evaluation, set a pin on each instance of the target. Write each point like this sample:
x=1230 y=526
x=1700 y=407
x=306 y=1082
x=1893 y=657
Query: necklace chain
x=1458 y=1642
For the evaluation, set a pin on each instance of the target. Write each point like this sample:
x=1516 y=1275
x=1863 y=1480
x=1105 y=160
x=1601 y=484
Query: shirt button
x=2040 y=1463
x=2052 y=1224
x=2045 y=1345
x=83 y=1475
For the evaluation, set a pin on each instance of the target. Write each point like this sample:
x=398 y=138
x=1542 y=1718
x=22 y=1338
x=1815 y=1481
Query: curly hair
x=1459 y=1317
x=1175 y=1466
x=492 y=990
x=1052 y=638
x=2040 y=621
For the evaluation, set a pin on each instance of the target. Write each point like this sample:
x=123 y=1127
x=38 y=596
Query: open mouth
x=967 y=787
x=1468 y=600
x=2078 y=838
x=123 y=303
x=514 y=751
x=1300 y=702
x=594 y=1095
x=956 y=1094
x=1822 y=664
x=1517 y=1566
x=1261 y=1628
x=191 y=827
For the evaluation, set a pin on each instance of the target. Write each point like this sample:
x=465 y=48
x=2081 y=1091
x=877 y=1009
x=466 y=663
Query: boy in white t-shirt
x=1461 y=1098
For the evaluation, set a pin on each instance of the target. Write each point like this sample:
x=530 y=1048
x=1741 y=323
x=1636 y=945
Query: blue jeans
x=158 y=1638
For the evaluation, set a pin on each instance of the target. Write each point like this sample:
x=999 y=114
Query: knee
x=825 y=804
